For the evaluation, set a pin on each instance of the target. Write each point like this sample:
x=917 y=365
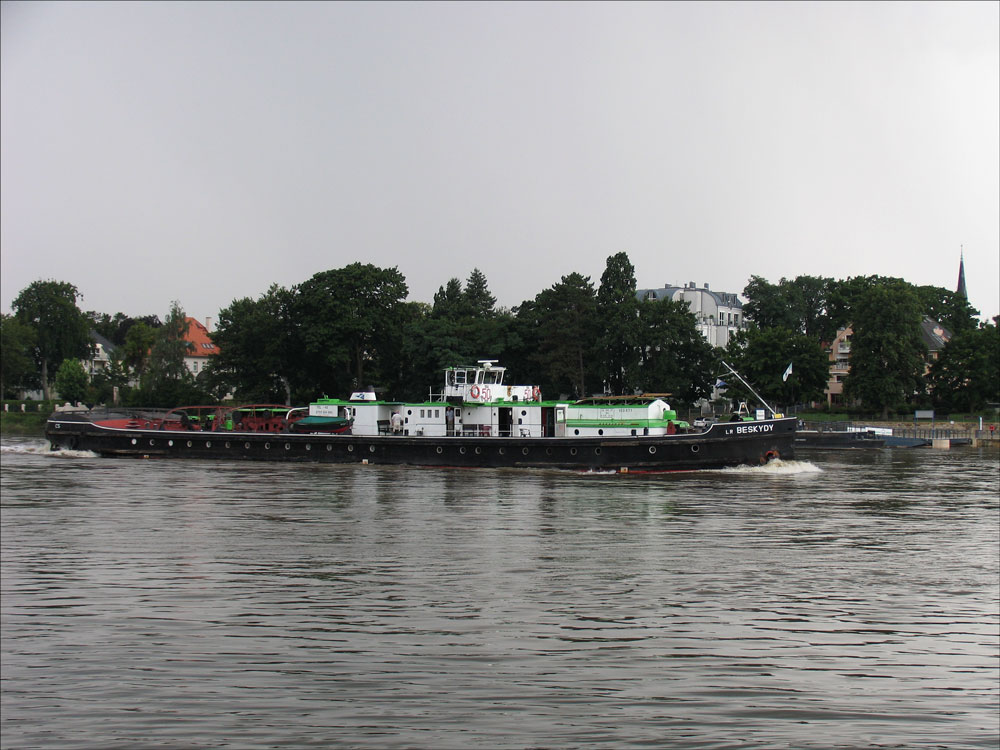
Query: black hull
x=730 y=444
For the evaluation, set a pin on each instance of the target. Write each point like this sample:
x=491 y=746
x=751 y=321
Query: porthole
x=350 y=449
x=576 y=432
x=695 y=448
x=134 y=441
x=227 y=444
x=170 y=443
x=572 y=451
x=329 y=447
x=478 y=450
x=525 y=451
x=548 y=451
x=288 y=446
x=371 y=448
x=652 y=449
x=597 y=451
x=308 y=447
x=439 y=449
x=502 y=451
x=600 y=432
x=267 y=446
x=246 y=445
x=190 y=443
x=462 y=450
x=524 y=413
x=152 y=442
x=208 y=443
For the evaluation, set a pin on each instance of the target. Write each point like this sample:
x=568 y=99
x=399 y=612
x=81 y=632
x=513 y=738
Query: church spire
x=961 y=276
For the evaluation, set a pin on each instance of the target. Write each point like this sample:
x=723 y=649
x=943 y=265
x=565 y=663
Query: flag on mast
x=788 y=371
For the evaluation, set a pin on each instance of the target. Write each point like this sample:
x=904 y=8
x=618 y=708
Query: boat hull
x=727 y=444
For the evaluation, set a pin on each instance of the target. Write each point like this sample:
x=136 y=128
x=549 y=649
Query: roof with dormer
x=200 y=339
x=722 y=299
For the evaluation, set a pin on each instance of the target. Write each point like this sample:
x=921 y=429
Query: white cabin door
x=560 y=421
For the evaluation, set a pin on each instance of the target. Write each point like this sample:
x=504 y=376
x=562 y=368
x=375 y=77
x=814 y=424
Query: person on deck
x=396 y=422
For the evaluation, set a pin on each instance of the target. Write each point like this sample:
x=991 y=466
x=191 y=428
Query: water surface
x=847 y=600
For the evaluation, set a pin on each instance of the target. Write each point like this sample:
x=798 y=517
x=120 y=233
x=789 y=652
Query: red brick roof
x=198 y=336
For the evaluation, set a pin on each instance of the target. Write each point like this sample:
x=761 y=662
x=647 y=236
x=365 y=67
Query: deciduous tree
x=349 y=319
x=258 y=348
x=966 y=375
x=60 y=330
x=72 y=381
x=887 y=352
x=17 y=368
x=762 y=358
x=675 y=357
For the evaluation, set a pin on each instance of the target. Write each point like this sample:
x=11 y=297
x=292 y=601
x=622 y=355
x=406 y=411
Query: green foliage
x=676 y=358
x=17 y=368
x=966 y=375
x=350 y=325
x=257 y=342
x=477 y=296
x=555 y=338
x=61 y=331
x=618 y=328
x=72 y=382
x=166 y=380
x=799 y=305
x=460 y=328
x=762 y=357
x=887 y=352
x=115 y=328
x=138 y=343
x=950 y=309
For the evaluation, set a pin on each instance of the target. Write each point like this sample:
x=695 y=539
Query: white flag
x=788 y=371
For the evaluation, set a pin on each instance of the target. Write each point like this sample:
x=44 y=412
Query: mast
x=749 y=388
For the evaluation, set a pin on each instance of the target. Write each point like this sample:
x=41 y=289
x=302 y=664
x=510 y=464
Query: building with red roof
x=201 y=347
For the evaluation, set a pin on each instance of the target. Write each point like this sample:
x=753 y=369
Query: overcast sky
x=201 y=152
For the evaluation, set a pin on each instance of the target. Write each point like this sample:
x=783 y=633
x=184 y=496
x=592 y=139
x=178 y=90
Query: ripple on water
x=849 y=600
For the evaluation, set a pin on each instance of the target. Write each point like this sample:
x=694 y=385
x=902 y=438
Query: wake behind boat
x=476 y=420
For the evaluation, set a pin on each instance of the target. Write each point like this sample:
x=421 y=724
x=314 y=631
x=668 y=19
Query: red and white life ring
x=474 y=391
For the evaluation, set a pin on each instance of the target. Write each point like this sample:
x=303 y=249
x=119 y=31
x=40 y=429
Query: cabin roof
x=643 y=398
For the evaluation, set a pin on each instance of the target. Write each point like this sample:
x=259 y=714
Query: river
x=850 y=599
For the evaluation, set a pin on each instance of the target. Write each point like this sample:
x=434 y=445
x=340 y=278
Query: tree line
x=353 y=327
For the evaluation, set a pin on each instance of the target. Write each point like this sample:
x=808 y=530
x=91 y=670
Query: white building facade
x=718 y=315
